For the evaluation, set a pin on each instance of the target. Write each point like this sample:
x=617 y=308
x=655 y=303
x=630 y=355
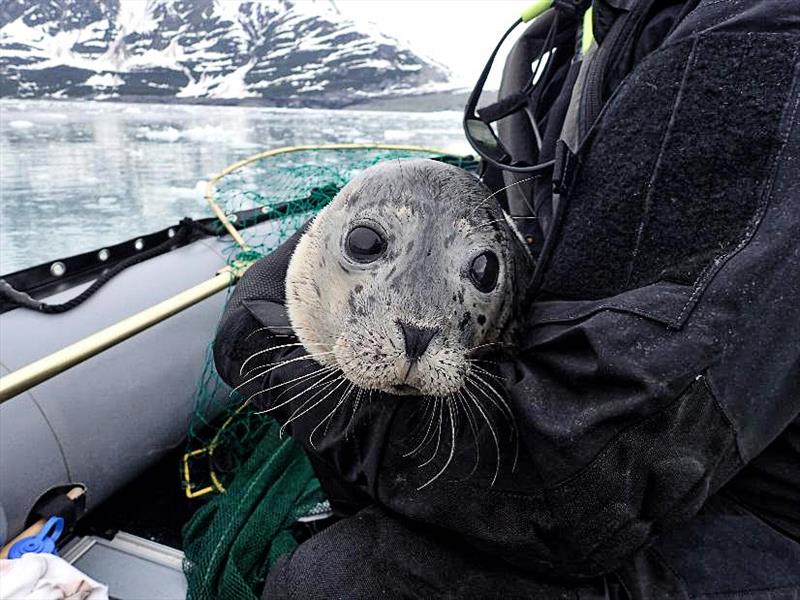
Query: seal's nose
x=416 y=338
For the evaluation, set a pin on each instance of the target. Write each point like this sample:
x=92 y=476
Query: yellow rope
x=211 y=183
x=216 y=484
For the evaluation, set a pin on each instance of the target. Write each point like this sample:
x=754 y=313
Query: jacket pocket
x=659 y=302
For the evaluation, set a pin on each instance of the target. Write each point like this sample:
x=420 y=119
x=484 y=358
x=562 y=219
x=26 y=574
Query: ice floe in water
x=167 y=134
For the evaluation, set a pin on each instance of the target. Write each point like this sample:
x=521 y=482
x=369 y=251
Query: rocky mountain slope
x=276 y=52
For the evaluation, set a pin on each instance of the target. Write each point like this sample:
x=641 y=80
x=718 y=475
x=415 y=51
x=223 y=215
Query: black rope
x=23 y=300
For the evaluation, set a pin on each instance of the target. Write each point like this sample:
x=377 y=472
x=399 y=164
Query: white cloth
x=46 y=577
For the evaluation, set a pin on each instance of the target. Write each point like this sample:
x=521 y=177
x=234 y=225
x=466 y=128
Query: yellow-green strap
x=587 y=34
x=535 y=9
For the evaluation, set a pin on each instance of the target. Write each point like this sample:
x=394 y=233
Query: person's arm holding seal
x=622 y=428
x=255 y=334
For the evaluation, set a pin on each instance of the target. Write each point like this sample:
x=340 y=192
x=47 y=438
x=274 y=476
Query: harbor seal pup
x=410 y=271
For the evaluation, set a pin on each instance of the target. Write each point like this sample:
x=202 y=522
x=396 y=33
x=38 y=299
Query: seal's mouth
x=404 y=388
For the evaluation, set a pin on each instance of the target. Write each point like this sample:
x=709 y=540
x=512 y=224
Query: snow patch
x=105 y=80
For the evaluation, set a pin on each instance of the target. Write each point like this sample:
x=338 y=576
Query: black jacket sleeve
x=255 y=317
x=257 y=354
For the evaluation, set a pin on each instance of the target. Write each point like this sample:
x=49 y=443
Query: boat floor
x=152 y=506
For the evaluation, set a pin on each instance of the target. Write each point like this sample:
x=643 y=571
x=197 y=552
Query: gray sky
x=458 y=34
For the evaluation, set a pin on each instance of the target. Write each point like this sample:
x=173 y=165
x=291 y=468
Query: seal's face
x=403 y=277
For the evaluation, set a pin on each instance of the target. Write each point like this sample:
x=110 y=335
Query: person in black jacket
x=657 y=391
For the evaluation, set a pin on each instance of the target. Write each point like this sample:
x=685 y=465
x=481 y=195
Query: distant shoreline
x=429 y=102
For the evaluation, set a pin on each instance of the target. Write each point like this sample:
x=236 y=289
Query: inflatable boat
x=102 y=363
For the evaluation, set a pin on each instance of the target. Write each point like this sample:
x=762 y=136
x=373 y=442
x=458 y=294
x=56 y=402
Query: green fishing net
x=255 y=484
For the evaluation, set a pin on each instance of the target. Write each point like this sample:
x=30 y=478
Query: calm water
x=78 y=175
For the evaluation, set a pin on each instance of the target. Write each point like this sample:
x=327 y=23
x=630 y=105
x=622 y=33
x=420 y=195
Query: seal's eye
x=364 y=244
x=484 y=271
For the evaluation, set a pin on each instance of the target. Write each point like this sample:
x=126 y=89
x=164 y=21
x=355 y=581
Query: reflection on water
x=78 y=175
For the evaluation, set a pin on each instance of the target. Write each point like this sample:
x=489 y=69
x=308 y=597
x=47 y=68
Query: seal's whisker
x=483 y=360
x=487 y=373
x=455 y=412
x=327 y=418
x=260 y=329
x=346 y=395
x=483 y=385
x=514 y=434
x=452 y=446
x=440 y=404
x=271 y=366
x=424 y=439
x=270 y=349
x=294 y=382
x=356 y=405
x=264 y=350
x=493 y=194
x=267 y=369
x=503 y=220
x=277 y=366
x=491 y=430
x=320 y=381
x=508 y=417
x=473 y=427
x=479 y=346
x=419 y=418
x=297 y=414
x=421 y=444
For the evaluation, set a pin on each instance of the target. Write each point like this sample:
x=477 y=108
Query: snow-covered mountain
x=278 y=52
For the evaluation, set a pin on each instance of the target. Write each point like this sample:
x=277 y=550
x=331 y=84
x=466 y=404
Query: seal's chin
x=422 y=388
x=403 y=389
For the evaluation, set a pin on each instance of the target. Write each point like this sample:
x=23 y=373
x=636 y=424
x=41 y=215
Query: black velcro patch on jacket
x=675 y=171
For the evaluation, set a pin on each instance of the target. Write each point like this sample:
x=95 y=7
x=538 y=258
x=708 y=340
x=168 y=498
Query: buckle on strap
x=572 y=8
x=564 y=168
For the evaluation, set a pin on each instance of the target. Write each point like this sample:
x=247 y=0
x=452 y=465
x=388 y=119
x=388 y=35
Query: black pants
x=724 y=553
